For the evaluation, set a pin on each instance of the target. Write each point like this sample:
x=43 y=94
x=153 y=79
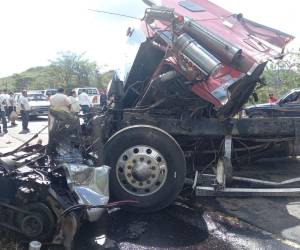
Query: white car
x=93 y=94
x=38 y=102
x=49 y=92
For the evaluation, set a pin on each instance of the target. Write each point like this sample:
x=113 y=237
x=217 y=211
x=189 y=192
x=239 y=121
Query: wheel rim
x=141 y=170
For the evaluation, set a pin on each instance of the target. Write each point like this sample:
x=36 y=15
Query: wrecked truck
x=49 y=191
x=171 y=118
x=171 y=121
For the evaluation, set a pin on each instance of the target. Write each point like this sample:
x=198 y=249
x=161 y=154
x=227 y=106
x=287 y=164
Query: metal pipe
x=152 y=87
x=268 y=183
x=248 y=192
x=191 y=49
x=224 y=50
x=257 y=181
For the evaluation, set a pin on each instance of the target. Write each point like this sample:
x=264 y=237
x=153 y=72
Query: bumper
x=37 y=112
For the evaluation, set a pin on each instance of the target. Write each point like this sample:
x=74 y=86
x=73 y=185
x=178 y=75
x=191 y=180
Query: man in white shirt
x=24 y=109
x=75 y=107
x=60 y=102
x=84 y=102
x=11 y=104
x=2 y=112
x=64 y=127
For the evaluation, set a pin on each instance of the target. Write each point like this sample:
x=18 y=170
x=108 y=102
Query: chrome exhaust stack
x=199 y=56
x=224 y=51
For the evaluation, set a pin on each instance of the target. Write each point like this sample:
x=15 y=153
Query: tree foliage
x=68 y=70
x=281 y=76
x=71 y=70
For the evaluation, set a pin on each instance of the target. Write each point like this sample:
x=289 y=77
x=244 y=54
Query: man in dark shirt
x=3 y=105
x=103 y=99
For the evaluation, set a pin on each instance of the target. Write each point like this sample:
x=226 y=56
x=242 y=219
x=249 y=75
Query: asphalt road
x=177 y=227
x=14 y=139
x=199 y=223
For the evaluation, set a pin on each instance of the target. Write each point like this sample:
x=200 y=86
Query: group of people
x=72 y=104
x=7 y=107
x=8 y=110
x=59 y=102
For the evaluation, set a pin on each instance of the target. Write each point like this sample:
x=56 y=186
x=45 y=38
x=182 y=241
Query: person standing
x=103 y=99
x=2 y=112
x=6 y=96
x=11 y=108
x=75 y=107
x=24 y=109
x=84 y=102
x=272 y=99
x=64 y=127
x=60 y=102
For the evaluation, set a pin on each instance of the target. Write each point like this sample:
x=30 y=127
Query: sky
x=32 y=32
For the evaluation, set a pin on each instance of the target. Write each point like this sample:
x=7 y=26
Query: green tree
x=21 y=82
x=72 y=70
x=281 y=76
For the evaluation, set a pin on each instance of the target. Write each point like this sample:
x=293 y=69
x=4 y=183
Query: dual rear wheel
x=148 y=166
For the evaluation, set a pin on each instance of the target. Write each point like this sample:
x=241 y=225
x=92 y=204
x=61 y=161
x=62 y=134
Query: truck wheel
x=148 y=166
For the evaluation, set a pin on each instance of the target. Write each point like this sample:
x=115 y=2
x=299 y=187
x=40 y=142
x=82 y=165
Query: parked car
x=287 y=106
x=93 y=94
x=49 y=92
x=38 y=102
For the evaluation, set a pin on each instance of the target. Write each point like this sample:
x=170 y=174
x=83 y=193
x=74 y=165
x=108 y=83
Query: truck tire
x=148 y=166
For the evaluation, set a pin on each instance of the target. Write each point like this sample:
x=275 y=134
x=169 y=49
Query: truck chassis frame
x=284 y=131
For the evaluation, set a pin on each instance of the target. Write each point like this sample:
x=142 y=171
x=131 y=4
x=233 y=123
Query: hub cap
x=141 y=170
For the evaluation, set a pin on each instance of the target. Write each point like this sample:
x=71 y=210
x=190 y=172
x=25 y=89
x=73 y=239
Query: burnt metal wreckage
x=47 y=192
x=170 y=122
